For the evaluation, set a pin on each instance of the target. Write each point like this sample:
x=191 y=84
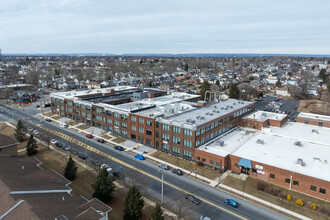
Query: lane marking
x=133 y=168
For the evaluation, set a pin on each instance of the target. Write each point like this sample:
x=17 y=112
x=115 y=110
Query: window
x=321 y=124
x=217 y=164
x=198 y=158
x=216 y=124
x=176 y=129
x=141 y=140
x=187 y=143
x=202 y=140
x=211 y=162
x=176 y=150
x=313 y=188
x=99 y=118
x=89 y=115
x=157 y=124
x=236 y=165
x=208 y=128
x=198 y=132
x=175 y=140
x=295 y=183
x=148 y=141
x=272 y=176
x=141 y=130
x=133 y=118
x=203 y=159
x=203 y=130
x=187 y=132
x=165 y=127
x=98 y=110
x=124 y=125
x=109 y=113
x=124 y=117
x=165 y=137
x=287 y=180
x=77 y=105
x=133 y=128
x=186 y=153
x=165 y=147
x=198 y=143
x=306 y=122
x=141 y=121
x=322 y=191
x=254 y=170
x=157 y=134
x=88 y=108
x=109 y=121
x=149 y=122
x=116 y=123
x=116 y=115
x=148 y=132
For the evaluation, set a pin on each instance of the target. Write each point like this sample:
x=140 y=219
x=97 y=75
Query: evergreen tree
x=233 y=91
x=217 y=82
x=18 y=131
x=278 y=83
x=133 y=204
x=70 y=170
x=103 y=186
x=203 y=88
x=157 y=213
x=31 y=147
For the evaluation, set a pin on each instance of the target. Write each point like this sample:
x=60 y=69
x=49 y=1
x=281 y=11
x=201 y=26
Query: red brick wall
x=200 y=155
x=313 y=121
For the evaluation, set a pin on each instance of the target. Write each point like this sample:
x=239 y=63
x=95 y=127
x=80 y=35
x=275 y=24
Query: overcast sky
x=154 y=26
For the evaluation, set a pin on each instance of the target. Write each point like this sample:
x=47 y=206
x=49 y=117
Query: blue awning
x=245 y=163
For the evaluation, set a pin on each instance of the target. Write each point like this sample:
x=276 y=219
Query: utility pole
x=162 y=172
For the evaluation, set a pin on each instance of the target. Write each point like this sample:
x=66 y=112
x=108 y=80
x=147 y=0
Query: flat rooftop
x=231 y=142
x=279 y=149
x=209 y=112
x=263 y=116
x=314 y=116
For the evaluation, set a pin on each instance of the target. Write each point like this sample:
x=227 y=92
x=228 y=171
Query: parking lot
x=288 y=106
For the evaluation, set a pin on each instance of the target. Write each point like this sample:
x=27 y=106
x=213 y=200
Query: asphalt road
x=146 y=175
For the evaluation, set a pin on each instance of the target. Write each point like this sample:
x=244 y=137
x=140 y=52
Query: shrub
x=299 y=202
x=276 y=192
x=200 y=163
x=261 y=186
x=325 y=211
x=213 y=168
x=313 y=206
x=288 y=197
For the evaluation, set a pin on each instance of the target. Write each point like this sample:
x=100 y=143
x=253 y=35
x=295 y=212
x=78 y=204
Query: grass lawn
x=72 y=123
x=250 y=186
x=106 y=136
x=188 y=165
x=56 y=117
x=83 y=127
x=48 y=114
x=119 y=140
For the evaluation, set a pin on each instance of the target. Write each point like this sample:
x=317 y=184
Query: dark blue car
x=119 y=148
x=231 y=202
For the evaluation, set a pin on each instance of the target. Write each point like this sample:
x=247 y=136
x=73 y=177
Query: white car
x=107 y=167
x=53 y=141
x=35 y=132
x=64 y=125
x=30 y=129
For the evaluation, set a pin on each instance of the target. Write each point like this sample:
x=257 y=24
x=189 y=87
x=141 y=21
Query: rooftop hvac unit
x=231 y=106
x=198 y=117
x=218 y=111
x=188 y=120
x=202 y=117
x=234 y=103
x=221 y=142
x=325 y=161
x=264 y=114
x=298 y=143
x=300 y=162
x=215 y=106
x=259 y=141
x=193 y=121
x=211 y=113
x=222 y=108
x=316 y=159
x=207 y=113
x=315 y=131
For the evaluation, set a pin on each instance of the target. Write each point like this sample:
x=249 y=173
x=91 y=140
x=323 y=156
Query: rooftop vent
x=193 y=121
x=202 y=117
x=259 y=141
x=218 y=111
x=188 y=120
x=316 y=159
x=221 y=142
x=211 y=113
x=315 y=131
x=231 y=106
x=198 y=117
x=298 y=143
x=215 y=106
x=325 y=161
x=301 y=162
x=207 y=113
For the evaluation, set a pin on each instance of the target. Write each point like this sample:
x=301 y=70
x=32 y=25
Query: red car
x=89 y=136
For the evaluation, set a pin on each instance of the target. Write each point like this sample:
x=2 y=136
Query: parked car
x=231 y=202
x=66 y=148
x=64 y=125
x=89 y=135
x=140 y=157
x=36 y=132
x=82 y=155
x=116 y=174
x=205 y=218
x=164 y=166
x=48 y=120
x=53 y=141
x=30 y=129
x=100 y=140
x=119 y=148
x=177 y=171
x=59 y=144
x=193 y=199
x=107 y=167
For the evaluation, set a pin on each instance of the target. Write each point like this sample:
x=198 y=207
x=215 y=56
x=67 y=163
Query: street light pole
x=161 y=170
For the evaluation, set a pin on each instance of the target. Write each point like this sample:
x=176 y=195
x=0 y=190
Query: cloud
x=108 y=26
